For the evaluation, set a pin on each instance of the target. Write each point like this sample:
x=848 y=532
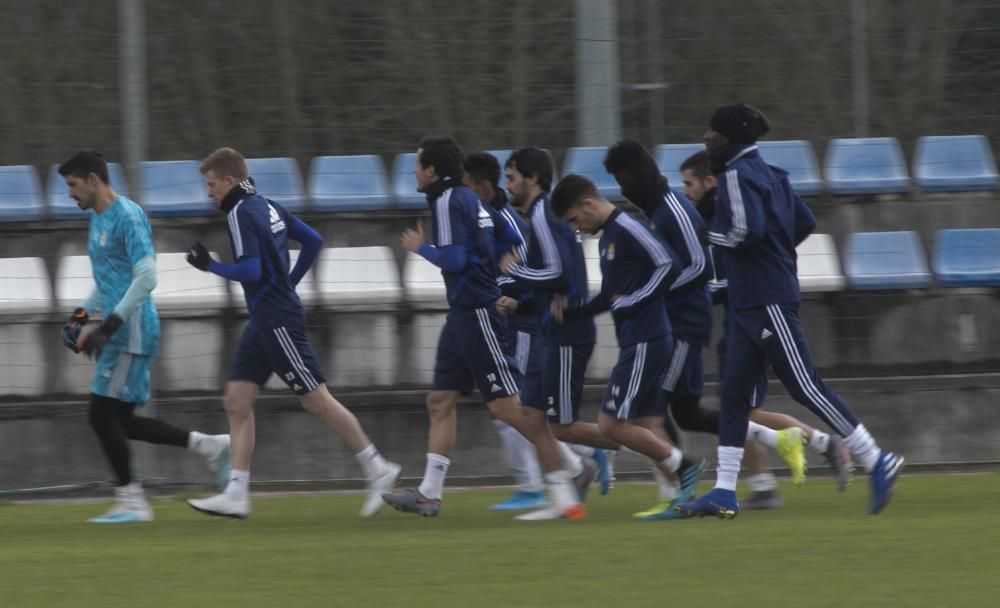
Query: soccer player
x=120 y=247
x=757 y=223
x=516 y=304
x=689 y=310
x=700 y=188
x=555 y=265
x=637 y=268
x=472 y=342
x=274 y=340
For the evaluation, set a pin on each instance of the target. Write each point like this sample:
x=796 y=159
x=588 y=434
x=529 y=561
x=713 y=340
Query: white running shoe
x=222 y=505
x=377 y=487
x=130 y=505
x=575 y=512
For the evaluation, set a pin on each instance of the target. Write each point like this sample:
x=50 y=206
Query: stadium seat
x=404 y=183
x=174 y=188
x=502 y=156
x=348 y=183
x=967 y=258
x=279 y=179
x=819 y=267
x=866 y=166
x=423 y=283
x=589 y=162
x=592 y=258
x=954 y=163
x=62 y=207
x=885 y=260
x=796 y=157
x=24 y=286
x=183 y=288
x=74 y=281
x=669 y=158
x=23 y=361
x=368 y=276
x=20 y=194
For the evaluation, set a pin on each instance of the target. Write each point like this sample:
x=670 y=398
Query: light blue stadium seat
x=502 y=156
x=796 y=157
x=349 y=183
x=589 y=162
x=20 y=194
x=174 y=188
x=404 y=183
x=62 y=207
x=885 y=260
x=954 y=163
x=279 y=180
x=967 y=257
x=669 y=158
x=866 y=166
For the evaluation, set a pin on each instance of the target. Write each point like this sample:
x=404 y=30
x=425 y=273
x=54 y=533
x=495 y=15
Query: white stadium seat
x=819 y=266
x=592 y=257
x=24 y=286
x=358 y=276
x=423 y=283
x=182 y=287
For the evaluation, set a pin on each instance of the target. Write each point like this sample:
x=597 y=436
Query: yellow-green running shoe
x=789 y=447
x=661 y=510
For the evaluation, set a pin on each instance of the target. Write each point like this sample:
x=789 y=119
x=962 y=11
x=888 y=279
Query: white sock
x=819 y=441
x=239 y=484
x=372 y=462
x=667 y=488
x=761 y=434
x=570 y=460
x=521 y=457
x=862 y=447
x=434 y=473
x=583 y=450
x=561 y=489
x=729 y=467
x=762 y=482
x=673 y=461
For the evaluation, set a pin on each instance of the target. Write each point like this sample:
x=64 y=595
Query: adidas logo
x=611 y=405
x=550 y=412
x=297 y=387
x=764 y=335
x=494 y=388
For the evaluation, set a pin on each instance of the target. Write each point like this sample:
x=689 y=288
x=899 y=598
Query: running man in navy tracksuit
x=758 y=222
x=637 y=268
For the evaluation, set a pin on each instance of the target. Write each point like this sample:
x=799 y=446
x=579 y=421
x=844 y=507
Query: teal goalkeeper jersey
x=118 y=239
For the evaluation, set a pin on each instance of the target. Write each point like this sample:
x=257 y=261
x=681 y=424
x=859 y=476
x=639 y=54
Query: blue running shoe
x=717 y=503
x=689 y=476
x=523 y=500
x=883 y=479
x=603 y=470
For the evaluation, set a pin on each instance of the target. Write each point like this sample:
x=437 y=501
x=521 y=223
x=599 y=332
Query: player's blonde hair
x=226 y=162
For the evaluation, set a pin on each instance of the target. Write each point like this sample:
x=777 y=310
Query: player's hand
x=92 y=343
x=412 y=239
x=199 y=257
x=509 y=259
x=71 y=331
x=506 y=306
x=558 y=307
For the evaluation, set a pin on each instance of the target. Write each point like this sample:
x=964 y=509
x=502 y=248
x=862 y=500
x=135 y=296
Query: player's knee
x=440 y=404
x=561 y=432
x=102 y=412
x=609 y=427
x=236 y=406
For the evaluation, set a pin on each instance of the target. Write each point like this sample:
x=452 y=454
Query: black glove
x=199 y=257
x=71 y=331
x=100 y=336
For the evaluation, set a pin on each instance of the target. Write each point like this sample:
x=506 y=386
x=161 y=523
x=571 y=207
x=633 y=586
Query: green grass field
x=936 y=545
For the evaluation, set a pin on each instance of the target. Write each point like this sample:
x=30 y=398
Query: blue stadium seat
x=502 y=156
x=62 y=207
x=669 y=158
x=967 y=258
x=404 y=183
x=279 y=180
x=954 y=163
x=349 y=183
x=589 y=162
x=174 y=188
x=20 y=194
x=866 y=166
x=796 y=157
x=885 y=260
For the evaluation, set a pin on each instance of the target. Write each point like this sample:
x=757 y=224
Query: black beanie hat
x=741 y=123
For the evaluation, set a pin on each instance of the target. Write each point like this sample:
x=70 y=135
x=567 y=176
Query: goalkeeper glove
x=199 y=257
x=71 y=331
x=100 y=336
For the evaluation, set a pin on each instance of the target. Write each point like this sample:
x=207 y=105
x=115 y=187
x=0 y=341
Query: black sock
x=104 y=419
x=150 y=430
x=691 y=416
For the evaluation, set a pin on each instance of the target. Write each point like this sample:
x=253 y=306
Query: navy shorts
x=284 y=351
x=472 y=351
x=634 y=386
x=554 y=382
x=685 y=375
x=519 y=345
